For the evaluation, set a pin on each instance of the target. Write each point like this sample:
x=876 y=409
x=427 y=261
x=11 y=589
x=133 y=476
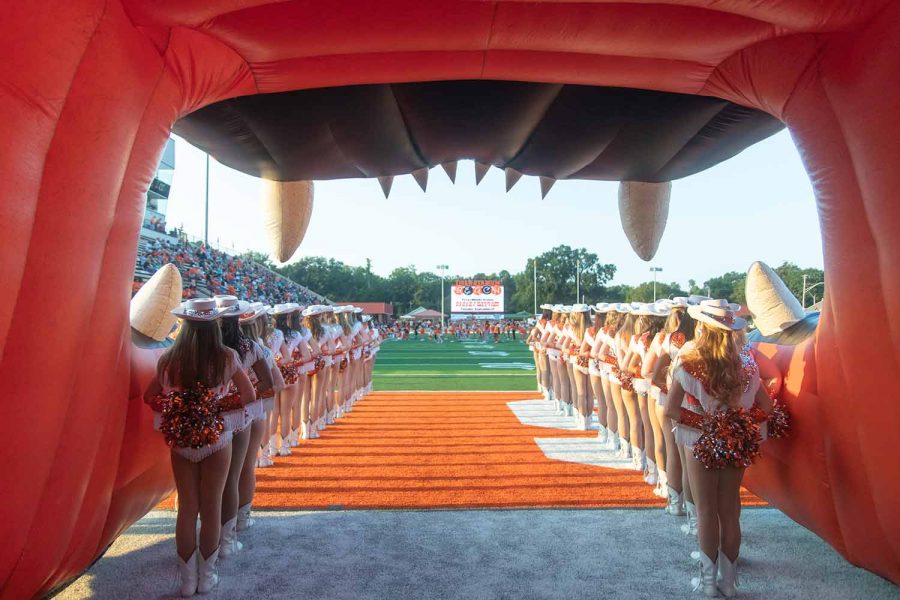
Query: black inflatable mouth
x=552 y=130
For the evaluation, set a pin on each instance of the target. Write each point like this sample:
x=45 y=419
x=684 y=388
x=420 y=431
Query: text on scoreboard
x=476 y=296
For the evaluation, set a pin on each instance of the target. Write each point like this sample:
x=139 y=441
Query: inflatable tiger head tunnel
x=299 y=90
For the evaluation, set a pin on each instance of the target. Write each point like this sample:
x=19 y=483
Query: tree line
x=560 y=272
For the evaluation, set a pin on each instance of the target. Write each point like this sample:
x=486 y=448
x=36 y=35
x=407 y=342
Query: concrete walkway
x=473 y=554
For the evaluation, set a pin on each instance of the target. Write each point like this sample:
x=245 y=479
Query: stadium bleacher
x=206 y=271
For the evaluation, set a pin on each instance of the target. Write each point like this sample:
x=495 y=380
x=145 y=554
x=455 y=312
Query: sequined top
x=692 y=378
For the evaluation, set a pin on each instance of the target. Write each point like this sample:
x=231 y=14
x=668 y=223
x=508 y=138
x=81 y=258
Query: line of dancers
x=241 y=384
x=680 y=393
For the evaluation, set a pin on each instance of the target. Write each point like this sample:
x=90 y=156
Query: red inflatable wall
x=89 y=90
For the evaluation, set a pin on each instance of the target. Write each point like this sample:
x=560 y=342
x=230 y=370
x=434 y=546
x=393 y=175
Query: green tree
x=557 y=272
x=644 y=291
x=792 y=275
x=730 y=285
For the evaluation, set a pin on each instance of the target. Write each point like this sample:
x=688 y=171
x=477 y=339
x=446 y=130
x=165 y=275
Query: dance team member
x=282 y=316
x=334 y=331
x=678 y=329
x=649 y=323
x=314 y=321
x=346 y=340
x=301 y=357
x=593 y=343
x=547 y=344
x=624 y=342
x=571 y=348
x=607 y=360
x=715 y=382
x=254 y=325
x=251 y=322
x=192 y=376
x=582 y=340
x=238 y=416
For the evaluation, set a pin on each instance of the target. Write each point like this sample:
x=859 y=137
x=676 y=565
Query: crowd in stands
x=206 y=271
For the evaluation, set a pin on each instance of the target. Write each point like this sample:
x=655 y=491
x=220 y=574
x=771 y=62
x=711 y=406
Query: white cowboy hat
x=679 y=302
x=662 y=308
x=282 y=309
x=718 y=313
x=255 y=310
x=315 y=309
x=198 y=309
x=621 y=307
x=366 y=318
x=602 y=307
x=233 y=307
x=357 y=309
x=695 y=299
x=580 y=308
x=546 y=307
x=342 y=309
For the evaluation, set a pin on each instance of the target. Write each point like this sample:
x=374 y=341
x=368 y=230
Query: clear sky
x=757 y=206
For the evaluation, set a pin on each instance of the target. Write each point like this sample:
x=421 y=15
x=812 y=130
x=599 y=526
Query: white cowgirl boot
x=603 y=435
x=638 y=460
x=265 y=459
x=560 y=407
x=651 y=477
x=229 y=544
x=676 y=500
x=243 y=519
x=329 y=417
x=706 y=582
x=188 y=574
x=662 y=484
x=690 y=528
x=727 y=582
x=285 y=446
x=207 y=578
x=294 y=437
x=616 y=444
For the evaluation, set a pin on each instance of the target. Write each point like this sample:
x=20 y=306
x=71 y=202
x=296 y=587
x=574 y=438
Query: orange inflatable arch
x=90 y=90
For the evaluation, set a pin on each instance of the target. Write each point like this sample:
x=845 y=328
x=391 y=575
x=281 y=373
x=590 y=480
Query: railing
x=183 y=237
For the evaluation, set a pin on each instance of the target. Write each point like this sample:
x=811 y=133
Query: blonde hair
x=717 y=352
x=613 y=319
x=580 y=323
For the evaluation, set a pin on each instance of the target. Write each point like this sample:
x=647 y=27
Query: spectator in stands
x=206 y=271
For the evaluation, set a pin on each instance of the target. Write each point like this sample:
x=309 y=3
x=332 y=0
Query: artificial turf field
x=424 y=365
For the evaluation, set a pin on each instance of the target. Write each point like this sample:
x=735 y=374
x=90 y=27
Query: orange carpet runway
x=441 y=450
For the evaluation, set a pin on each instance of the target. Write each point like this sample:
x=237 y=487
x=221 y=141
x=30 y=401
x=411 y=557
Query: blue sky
x=757 y=206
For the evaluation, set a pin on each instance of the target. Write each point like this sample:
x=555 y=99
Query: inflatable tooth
x=644 y=210
x=481 y=170
x=450 y=170
x=546 y=184
x=288 y=208
x=772 y=304
x=386 y=182
x=512 y=178
x=150 y=308
x=421 y=177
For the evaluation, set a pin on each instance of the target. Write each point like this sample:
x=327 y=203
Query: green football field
x=454 y=365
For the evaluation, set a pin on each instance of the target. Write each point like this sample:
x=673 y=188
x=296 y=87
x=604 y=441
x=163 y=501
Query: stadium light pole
x=578 y=281
x=206 y=206
x=655 y=271
x=534 y=268
x=443 y=270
